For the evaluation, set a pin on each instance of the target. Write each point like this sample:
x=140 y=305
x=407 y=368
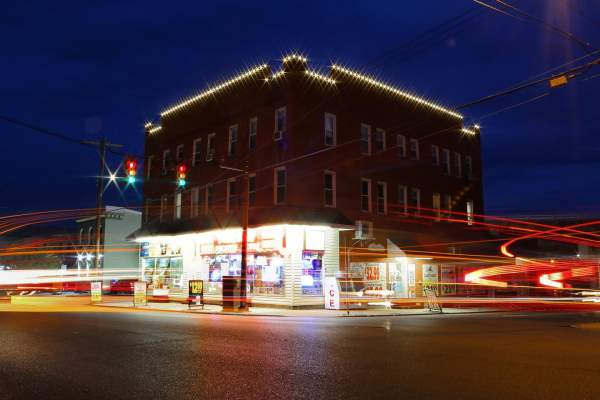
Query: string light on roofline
x=394 y=90
x=295 y=57
x=155 y=129
x=316 y=75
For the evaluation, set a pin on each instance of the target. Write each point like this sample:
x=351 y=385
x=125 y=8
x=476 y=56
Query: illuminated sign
x=314 y=240
x=332 y=293
x=96 y=291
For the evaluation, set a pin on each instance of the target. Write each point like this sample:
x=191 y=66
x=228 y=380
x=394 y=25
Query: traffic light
x=131 y=168
x=181 y=174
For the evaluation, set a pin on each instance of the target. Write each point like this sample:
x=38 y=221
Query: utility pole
x=102 y=145
x=244 y=222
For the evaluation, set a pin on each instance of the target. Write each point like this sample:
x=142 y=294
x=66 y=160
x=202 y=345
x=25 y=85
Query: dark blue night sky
x=91 y=68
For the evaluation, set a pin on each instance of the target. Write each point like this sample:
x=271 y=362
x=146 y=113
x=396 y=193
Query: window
x=279 y=180
x=81 y=236
x=179 y=153
x=166 y=161
x=231 y=195
x=437 y=206
x=208 y=198
x=381 y=198
x=163 y=206
x=402 y=201
x=401 y=145
x=149 y=167
x=251 y=190
x=446 y=161
x=233 y=136
x=210 y=147
x=363 y=230
x=469 y=166
x=365 y=139
x=365 y=195
x=447 y=205
x=252 y=129
x=194 y=200
x=280 y=122
x=415 y=201
x=414 y=149
x=197 y=151
x=457 y=165
x=470 y=212
x=330 y=130
x=177 y=205
x=329 y=189
x=379 y=140
x=435 y=155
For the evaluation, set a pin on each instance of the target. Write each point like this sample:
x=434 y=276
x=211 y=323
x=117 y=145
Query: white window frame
x=417 y=207
x=359 y=225
x=436 y=202
x=435 y=155
x=470 y=211
x=276 y=185
x=196 y=151
x=384 y=185
x=457 y=165
x=401 y=145
x=252 y=133
x=166 y=154
x=251 y=192
x=210 y=142
x=177 y=205
x=381 y=132
x=228 y=206
x=333 y=189
x=179 y=156
x=369 y=194
x=280 y=131
x=412 y=141
x=403 y=197
x=446 y=161
x=231 y=143
x=333 y=132
x=369 y=139
x=194 y=201
x=208 y=200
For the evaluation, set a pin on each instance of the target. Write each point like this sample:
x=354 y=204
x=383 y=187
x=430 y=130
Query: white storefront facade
x=286 y=263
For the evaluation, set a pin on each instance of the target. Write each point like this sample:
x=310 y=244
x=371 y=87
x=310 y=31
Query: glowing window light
x=394 y=90
x=214 y=89
x=321 y=77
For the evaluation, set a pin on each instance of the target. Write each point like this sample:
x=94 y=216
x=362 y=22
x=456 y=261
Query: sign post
x=196 y=293
x=96 y=292
x=139 y=294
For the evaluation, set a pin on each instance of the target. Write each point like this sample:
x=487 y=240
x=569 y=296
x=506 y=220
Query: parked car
x=124 y=286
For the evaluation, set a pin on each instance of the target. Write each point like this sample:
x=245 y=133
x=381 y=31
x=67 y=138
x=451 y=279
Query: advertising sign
x=96 y=291
x=195 y=292
x=332 y=293
x=430 y=276
x=139 y=294
x=449 y=276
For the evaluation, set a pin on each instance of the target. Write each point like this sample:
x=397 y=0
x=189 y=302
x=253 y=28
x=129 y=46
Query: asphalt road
x=156 y=355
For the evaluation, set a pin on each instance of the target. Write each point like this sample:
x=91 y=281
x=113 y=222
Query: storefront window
x=163 y=272
x=312 y=270
x=268 y=275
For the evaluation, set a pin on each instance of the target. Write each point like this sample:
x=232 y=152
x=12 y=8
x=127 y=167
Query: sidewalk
x=283 y=312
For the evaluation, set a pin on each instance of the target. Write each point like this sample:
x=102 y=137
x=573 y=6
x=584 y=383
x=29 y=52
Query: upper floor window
x=365 y=139
x=252 y=130
x=414 y=149
x=446 y=161
x=149 y=167
x=469 y=167
x=280 y=122
x=470 y=211
x=231 y=195
x=279 y=185
x=415 y=200
x=447 y=205
x=401 y=145
x=233 y=137
x=436 y=201
x=210 y=147
x=177 y=205
x=402 y=198
x=435 y=155
x=251 y=190
x=330 y=130
x=457 y=165
x=179 y=153
x=208 y=198
x=329 y=188
x=166 y=161
x=379 y=140
x=196 y=151
x=365 y=195
x=194 y=200
x=381 y=198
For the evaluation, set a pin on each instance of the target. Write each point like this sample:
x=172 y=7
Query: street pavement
x=100 y=353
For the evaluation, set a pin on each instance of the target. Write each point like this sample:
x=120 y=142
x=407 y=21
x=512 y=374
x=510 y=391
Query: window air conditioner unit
x=363 y=230
x=278 y=135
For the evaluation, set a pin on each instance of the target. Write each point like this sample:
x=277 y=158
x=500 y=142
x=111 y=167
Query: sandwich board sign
x=332 y=293
x=96 y=291
x=139 y=294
